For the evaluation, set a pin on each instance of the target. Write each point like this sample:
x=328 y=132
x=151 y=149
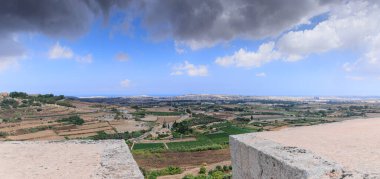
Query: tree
x=18 y=95
x=225 y=168
x=183 y=127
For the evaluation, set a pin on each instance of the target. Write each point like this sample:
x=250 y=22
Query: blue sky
x=317 y=54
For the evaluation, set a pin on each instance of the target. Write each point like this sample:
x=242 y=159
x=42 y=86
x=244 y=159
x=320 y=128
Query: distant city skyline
x=163 y=48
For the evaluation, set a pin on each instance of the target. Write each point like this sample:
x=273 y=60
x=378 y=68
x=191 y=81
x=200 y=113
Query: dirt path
x=166 y=146
x=133 y=144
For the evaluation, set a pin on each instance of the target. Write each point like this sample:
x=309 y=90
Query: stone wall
x=257 y=158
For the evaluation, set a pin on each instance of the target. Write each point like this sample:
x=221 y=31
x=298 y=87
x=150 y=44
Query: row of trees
x=34 y=100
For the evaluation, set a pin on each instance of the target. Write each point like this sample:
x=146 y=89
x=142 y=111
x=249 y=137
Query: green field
x=213 y=141
x=202 y=143
x=206 y=141
x=219 y=138
x=233 y=130
x=149 y=146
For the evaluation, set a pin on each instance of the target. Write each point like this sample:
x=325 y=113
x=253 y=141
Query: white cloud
x=351 y=26
x=125 y=83
x=347 y=67
x=60 y=52
x=84 y=59
x=179 y=48
x=355 y=78
x=8 y=62
x=244 y=58
x=121 y=57
x=296 y=45
x=261 y=74
x=354 y=26
x=190 y=69
x=174 y=73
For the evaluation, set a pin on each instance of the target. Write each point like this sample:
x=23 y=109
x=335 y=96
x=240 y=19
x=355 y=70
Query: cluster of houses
x=4 y=95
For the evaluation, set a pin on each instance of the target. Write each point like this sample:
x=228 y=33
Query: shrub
x=36 y=104
x=188 y=176
x=201 y=176
x=171 y=170
x=3 y=134
x=7 y=103
x=11 y=119
x=212 y=174
x=65 y=103
x=76 y=120
x=202 y=170
x=101 y=135
x=36 y=129
x=226 y=168
x=217 y=175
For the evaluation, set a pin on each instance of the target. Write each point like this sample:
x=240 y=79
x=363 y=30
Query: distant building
x=4 y=94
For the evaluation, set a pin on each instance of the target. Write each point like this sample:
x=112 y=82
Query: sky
x=175 y=47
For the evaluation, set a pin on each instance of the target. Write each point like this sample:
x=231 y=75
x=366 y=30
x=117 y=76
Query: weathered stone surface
x=67 y=159
x=258 y=158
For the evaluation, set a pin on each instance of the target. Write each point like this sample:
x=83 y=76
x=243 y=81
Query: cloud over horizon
x=125 y=83
x=247 y=59
x=190 y=69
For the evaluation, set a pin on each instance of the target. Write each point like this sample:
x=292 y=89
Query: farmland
x=149 y=146
x=49 y=117
x=163 y=132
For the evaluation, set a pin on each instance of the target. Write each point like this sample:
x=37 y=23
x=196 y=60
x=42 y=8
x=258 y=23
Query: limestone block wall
x=257 y=158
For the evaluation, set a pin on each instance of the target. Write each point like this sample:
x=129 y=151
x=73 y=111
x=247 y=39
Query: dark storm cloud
x=205 y=22
x=54 y=18
x=197 y=23
x=67 y=18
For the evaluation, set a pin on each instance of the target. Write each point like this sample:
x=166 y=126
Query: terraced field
x=44 y=124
